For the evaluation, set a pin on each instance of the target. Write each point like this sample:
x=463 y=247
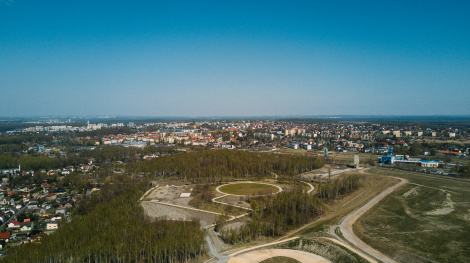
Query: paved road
x=13 y=218
x=346 y=225
x=221 y=258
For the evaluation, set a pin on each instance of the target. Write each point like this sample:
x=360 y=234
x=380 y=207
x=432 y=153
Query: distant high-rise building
x=40 y=148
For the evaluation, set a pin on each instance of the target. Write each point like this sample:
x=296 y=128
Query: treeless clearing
x=260 y=255
x=247 y=188
x=427 y=218
x=280 y=260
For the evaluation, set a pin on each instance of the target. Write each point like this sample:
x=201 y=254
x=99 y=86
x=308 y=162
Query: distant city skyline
x=234 y=58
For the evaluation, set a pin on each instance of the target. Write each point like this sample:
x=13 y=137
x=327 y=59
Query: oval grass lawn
x=248 y=189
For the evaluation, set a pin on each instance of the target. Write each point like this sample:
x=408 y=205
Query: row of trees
x=20 y=139
x=116 y=230
x=333 y=189
x=38 y=162
x=275 y=215
x=225 y=164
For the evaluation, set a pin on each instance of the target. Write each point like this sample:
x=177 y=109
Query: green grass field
x=248 y=189
x=429 y=217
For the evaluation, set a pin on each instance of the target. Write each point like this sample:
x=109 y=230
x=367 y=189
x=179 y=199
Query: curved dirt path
x=311 y=187
x=346 y=225
x=260 y=255
x=260 y=246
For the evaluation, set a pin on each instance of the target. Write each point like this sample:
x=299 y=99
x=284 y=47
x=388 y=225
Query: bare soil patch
x=260 y=255
x=173 y=213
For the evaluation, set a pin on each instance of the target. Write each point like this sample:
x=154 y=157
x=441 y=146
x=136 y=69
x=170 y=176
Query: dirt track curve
x=346 y=225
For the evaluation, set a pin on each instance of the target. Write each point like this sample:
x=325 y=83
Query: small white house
x=52 y=225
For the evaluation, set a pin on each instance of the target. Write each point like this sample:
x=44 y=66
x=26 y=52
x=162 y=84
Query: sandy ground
x=173 y=213
x=352 y=249
x=346 y=225
x=235 y=225
x=260 y=255
x=446 y=208
x=170 y=194
x=234 y=200
x=323 y=173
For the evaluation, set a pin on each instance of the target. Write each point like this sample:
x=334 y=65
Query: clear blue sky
x=232 y=58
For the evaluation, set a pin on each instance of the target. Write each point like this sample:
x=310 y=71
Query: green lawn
x=248 y=189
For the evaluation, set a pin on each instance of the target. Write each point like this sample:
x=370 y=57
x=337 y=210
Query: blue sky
x=234 y=58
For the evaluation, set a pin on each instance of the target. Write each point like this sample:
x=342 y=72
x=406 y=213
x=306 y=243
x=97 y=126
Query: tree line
x=275 y=215
x=36 y=163
x=19 y=139
x=333 y=189
x=225 y=164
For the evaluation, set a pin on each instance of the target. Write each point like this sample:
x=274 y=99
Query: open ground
x=429 y=219
x=248 y=188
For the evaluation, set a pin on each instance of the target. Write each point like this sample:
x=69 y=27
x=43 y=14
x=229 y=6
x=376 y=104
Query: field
x=430 y=218
x=248 y=188
x=445 y=140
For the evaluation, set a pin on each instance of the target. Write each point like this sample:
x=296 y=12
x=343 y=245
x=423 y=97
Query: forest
x=19 y=139
x=38 y=162
x=112 y=227
x=225 y=165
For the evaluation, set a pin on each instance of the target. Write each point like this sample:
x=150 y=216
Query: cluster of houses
x=48 y=205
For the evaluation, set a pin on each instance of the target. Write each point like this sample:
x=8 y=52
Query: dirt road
x=346 y=225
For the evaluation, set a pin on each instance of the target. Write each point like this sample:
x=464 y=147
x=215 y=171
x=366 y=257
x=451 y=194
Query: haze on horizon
x=234 y=58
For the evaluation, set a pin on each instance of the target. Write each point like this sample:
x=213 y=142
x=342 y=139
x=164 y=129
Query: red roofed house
x=449 y=153
x=37 y=238
x=14 y=224
x=5 y=236
x=50 y=197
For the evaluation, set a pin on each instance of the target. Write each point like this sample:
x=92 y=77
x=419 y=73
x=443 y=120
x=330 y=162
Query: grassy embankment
x=429 y=217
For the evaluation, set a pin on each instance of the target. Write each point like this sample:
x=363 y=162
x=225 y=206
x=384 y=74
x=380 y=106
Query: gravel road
x=346 y=225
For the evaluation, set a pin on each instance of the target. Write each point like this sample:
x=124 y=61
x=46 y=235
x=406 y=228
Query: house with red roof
x=14 y=224
x=5 y=236
x=51 y=197
x=449 y=153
